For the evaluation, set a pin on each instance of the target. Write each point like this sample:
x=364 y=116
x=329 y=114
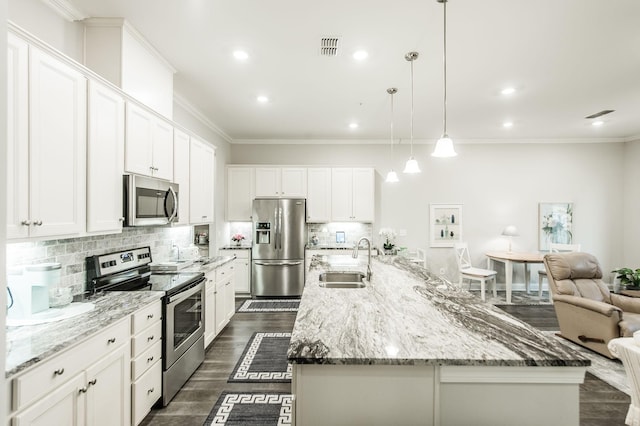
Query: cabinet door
x=162 y=149
x=267 y=182
x=221 y=311
x=242 y=281
x=57 y=149
x=138 y=141
x=363 y=194
x=109 y=390
x=63 y=406
x=318 y=194
x=210 y=309
x=105 y=159
x=293 y=182
x=240 y=191
x=230 y=298
x=181 y=148
x=202 y=166
x=341 y=195
x=17 y=138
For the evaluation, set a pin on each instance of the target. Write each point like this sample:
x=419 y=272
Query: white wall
x=498 y=185
x=3 y=206
x=630 y=203
x=40 y=20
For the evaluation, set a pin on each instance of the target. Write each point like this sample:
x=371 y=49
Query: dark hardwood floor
x=600 y=403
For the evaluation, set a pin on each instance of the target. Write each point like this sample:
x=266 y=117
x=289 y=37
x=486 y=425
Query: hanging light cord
x=444 y=61
x=391 y=126
x=412 y=108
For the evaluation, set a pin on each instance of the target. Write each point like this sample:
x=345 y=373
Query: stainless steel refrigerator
x=279 y=237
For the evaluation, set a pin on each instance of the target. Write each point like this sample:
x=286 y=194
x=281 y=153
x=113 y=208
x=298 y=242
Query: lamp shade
x=411 y=166
x=444 y=148
x=392 y=177
x=510 y=231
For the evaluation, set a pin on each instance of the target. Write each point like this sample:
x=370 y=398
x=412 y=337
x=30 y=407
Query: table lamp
x=510 y=231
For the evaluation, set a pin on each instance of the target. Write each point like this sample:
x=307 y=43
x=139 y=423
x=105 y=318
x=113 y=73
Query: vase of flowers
x=237 y=238
x=388 y=235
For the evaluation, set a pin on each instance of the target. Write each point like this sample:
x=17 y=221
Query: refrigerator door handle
x=279 y=264
x=280 y=227
x=275 y=228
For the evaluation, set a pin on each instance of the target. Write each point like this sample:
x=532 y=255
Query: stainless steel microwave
x=149 y=201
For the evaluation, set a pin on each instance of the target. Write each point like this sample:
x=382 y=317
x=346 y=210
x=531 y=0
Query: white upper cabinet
x=202 y=165
x=105 y=159
x=149 y=144
x=118 y=52
x=47 y=142
x=318 y=194
x=181 y=158
x=240 y=193
x=352 y=194
x=285 y=182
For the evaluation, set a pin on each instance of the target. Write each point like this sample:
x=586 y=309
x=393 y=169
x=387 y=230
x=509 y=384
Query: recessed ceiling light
x=597 y=123
x=241 y=55
x=360 y=55
x=353 y=125
x=507 y=124
x=508 y=91
x=262 y=99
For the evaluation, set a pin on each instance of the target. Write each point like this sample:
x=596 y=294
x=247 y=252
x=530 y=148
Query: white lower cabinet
x=146 y=360
x=241 y=270
x=225 y=295
x=210 y=308
x=87 y=384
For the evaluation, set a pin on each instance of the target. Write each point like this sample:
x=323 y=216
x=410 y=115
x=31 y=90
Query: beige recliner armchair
x=588 y=313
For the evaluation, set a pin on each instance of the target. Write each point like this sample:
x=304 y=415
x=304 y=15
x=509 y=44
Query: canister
x=42 y=277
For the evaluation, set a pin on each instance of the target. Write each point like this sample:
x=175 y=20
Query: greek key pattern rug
x=270 y=305
x=264 y=360
x=251 y=408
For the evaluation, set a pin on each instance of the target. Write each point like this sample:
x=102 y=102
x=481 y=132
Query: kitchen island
x=410 y=348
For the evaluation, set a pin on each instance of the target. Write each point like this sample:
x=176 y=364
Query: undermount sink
x=342 y=280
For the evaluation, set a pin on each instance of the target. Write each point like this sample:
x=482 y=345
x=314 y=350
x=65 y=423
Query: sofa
x=588 y=313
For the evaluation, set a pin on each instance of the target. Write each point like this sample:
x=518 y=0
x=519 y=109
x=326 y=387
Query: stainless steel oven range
x=182 y=312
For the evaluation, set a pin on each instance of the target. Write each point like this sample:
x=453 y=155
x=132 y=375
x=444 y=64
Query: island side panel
x=363 y=394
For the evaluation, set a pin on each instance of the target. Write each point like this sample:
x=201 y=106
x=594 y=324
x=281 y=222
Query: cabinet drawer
x=146 y=359
x=223 y=272
x=147 y=338
x=146 y=391
x=239 y=254
x=50 y=374
x=146 y=316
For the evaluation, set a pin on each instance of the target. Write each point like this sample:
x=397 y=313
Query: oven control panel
x=111 y=263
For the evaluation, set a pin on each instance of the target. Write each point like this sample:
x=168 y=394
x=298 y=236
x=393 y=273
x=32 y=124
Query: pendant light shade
x=444 y=146
x=392 y=176
x=412 y=165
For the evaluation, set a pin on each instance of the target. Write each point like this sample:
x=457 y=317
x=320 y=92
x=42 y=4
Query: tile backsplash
x=71 y=252
x=326 y=232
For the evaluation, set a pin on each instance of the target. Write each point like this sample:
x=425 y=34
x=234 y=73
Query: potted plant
x=629 y=278
x=389 y=235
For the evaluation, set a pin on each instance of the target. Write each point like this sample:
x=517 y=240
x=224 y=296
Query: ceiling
x=567 y=59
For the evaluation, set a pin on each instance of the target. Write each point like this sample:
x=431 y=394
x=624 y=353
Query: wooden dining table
x=509 y=258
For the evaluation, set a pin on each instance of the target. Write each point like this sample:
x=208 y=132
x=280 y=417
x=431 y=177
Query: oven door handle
x=179 y=297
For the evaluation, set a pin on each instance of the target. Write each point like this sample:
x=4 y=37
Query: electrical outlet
x=443 y=271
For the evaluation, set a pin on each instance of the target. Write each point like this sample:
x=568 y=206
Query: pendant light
x=444 y=146
x=392 y=176
x=412 y=165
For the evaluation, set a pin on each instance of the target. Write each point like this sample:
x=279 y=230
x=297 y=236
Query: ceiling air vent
x=329 y=46
x=600 y=114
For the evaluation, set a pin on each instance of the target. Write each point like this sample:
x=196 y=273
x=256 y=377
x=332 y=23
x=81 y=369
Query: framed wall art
x=555 y=224
x=445 y=224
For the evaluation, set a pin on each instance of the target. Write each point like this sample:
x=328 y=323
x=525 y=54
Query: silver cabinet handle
x=92 y=382
x=121 y=219
x=112 y=340
x=150 y=338
x=59 y=372
x=37 y=223
x=149 y=359
x=25 y=223
x=149 y=316
x=150 y=391
x=82 y=390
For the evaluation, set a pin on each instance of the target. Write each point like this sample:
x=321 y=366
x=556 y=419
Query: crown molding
x=404 y=142
x=65 y=9
x=200 y=116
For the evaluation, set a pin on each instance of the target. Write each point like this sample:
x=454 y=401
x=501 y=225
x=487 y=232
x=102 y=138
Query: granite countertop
x=213 y=263
x=28 y=345
x=406 y=316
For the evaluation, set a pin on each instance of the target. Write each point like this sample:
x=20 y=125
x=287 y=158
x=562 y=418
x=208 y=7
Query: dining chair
x=554 y=248
x=468 y=272
x=420 y=257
